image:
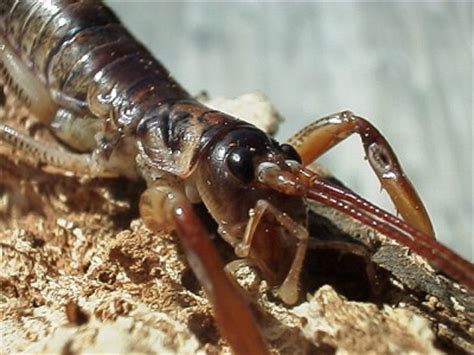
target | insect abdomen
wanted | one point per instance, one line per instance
(88, 61)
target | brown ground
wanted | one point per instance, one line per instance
(79, 272)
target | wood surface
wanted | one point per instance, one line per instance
(80, 272)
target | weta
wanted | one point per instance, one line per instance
(118, 112)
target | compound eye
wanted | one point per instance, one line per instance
(290, 152)
(240, 164)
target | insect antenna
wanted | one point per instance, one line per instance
(303, 182)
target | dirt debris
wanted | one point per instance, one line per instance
(79, 272)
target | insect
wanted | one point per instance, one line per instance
(120, 113)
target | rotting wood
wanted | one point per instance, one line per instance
(75, 241)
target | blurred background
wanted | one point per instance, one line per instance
(406, 66)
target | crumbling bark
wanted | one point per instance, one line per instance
(79, 272)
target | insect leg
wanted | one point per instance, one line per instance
(289, 289)
(84, 164)
(311, 186)
(160, 205)
(77, 132)
(320, 136)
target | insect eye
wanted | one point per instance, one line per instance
(240, 164)
(290, 152)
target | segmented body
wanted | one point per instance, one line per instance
(83, 63)
(102, 92)
(77, 69)
(80, 72)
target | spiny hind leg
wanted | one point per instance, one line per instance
(319, 137)
(164, 207)
(24, 87)
(83, 164)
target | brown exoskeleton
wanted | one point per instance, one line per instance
(116, 108)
